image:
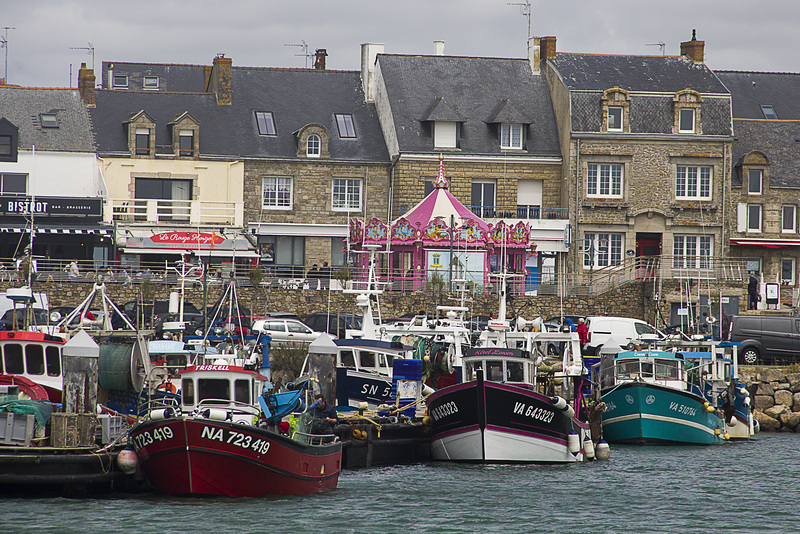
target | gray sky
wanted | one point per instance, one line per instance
(256, 32)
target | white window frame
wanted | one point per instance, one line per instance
(751, 174)
(121, 77)
(789, 219)
(681, 112)
(445, 134)
(617, 111)
(346, 194)
(150, 82)
(693, 182)
(605, 180)
(277, 192)
(604, 248)
(751, 212)
(793, 268)
(313, 146)
(692, 251)
(511, 136)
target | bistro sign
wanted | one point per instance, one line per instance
(50, 206)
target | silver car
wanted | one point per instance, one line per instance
(283, 330)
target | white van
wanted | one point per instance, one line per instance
(624, 331)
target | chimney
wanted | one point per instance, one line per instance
(548, 48)
(222, 79)
(694, 49)
(319, 62)
(86, 83)
(369, 52)
(534, 55)
(438, 48)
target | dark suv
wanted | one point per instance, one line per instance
(766, 339)
(328, 322)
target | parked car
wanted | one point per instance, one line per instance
(142, 314)
(194, 321)
(283, 330)
(39, 317)
(333, 324)
(623, 331)
(766, 339)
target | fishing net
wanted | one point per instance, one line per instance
(40, 410)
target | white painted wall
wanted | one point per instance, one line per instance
(59, 174)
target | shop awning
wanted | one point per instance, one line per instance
(769, 243)
(67, 229)
(216, 253)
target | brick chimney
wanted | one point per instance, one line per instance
(694, 49)
(86, 85)
(548, 48)
(222, 79)
(534, 55)
(319, 58)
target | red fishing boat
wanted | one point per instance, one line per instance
(224, 438)
(32, 361)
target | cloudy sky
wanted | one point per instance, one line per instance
(50, 37)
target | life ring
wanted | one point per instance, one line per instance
(168, 387)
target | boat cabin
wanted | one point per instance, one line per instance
(221, 387)
(500, 365)
(35, 356)
(651, 366)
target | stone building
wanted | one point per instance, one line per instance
(492, 121)
(765, 185)
(646, 144)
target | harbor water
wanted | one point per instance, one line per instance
(735, 487)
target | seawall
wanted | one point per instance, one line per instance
(776, 399)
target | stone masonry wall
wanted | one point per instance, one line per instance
(776, 399)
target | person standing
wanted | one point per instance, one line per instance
(583, 332)
(752, 292)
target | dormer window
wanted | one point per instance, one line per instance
(347, 128)
(5, 146)
(142, 141)
(8, 140)
(614, 123)
(445, 134)
(150, 82)
(121, 81)
(511, 136)
(186, 143)
(769, 112)
(686, 120)
(48, 120)
(313, 146)
(754, 182)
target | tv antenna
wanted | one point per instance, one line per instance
(526, 11)
(659, 44)
(4, 44)
(304, 46)
(90, 49)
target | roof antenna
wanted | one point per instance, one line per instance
(659, 44)
(90, 49)
(304, 46)
(526, 11)
(4, 44)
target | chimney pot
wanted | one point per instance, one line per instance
(319, 62)
(438, 48)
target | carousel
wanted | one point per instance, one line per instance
(441, 238)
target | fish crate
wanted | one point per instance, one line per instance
(73, 429)
(109, 427)
(16, 429)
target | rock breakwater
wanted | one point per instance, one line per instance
(775, 395)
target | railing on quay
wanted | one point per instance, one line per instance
(589, 282)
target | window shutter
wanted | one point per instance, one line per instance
(741, 217)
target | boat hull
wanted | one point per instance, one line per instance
(196, 456)
(483, 421)
(640, 412)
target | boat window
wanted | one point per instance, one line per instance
(13, 359)
(1, 360)
(382, 360)
(647, 369)
(626, 369)
(367, 359)
(389, 360)
(346, 358)
(667, 369)
(53, 357)
(241, 389)
(177, 360)
(515, 372)
(494, 370)
(187, 391)
(34, 359)
(214, 388)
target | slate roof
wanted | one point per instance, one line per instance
(22, 106)
(661, 74)
(472, 88)
(778, 140)
(751, 90)
(296, 97)
(172, 78)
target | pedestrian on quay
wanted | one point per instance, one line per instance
(752, 292)
(583, 332)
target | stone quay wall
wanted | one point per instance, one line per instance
(776, 399)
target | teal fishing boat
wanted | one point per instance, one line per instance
(656, 396)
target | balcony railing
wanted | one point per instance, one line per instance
(519, 212)
(188, 212)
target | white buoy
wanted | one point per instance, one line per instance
(588, 448)
(128, 461)
(602, 451)
(162, 413)
(569, 412)
(215, 414)
(559, 402)
(573, 443)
